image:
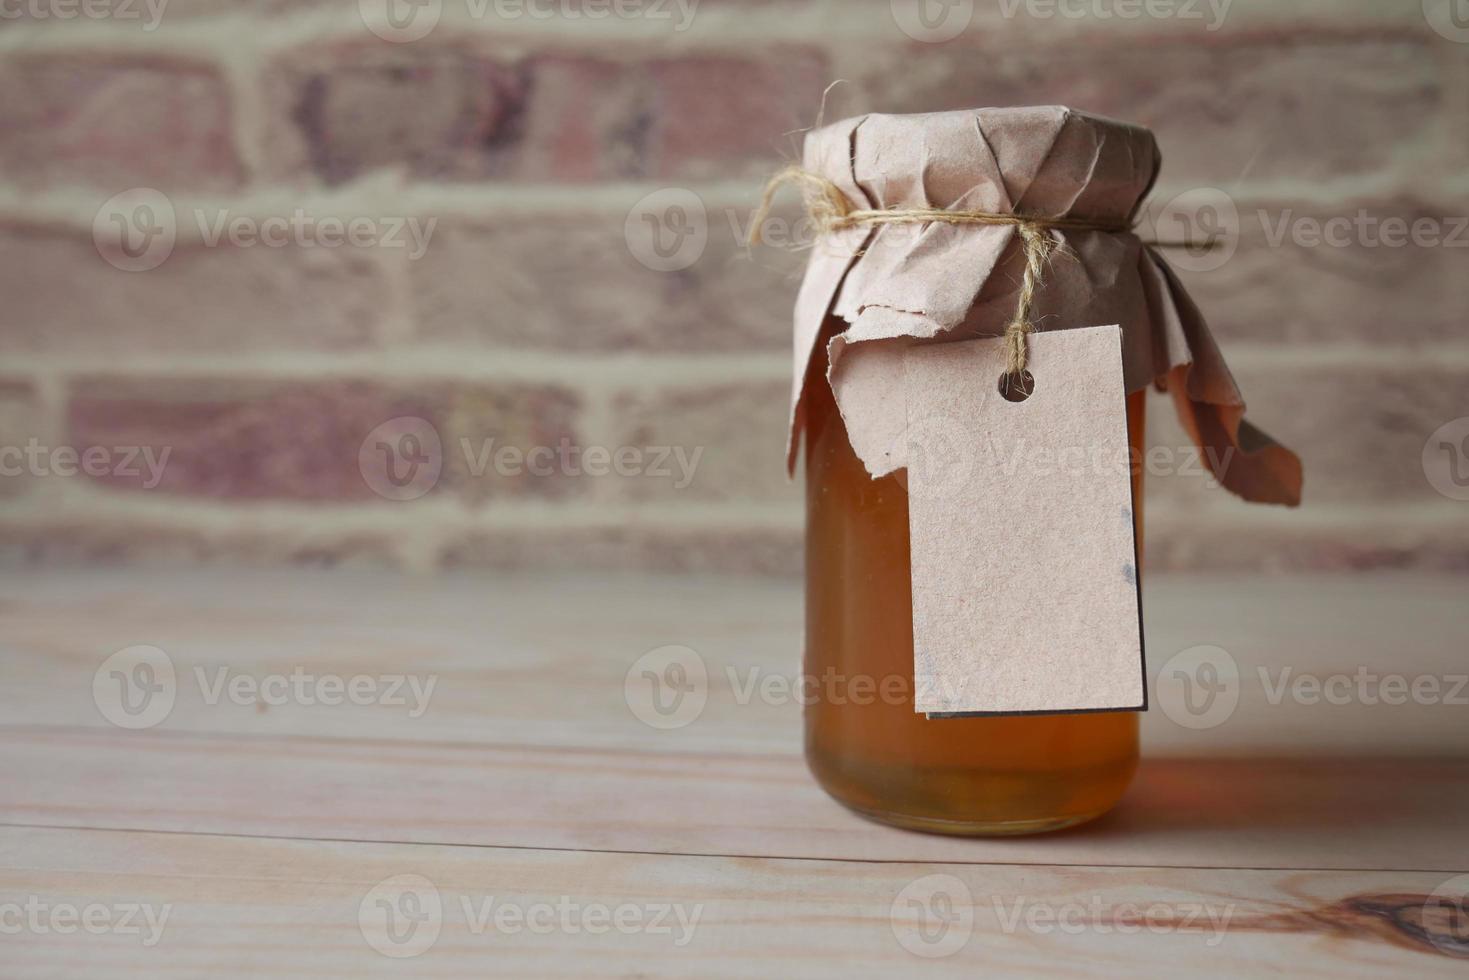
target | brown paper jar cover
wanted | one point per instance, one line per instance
(890, 286)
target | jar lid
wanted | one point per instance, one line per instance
(1045, 161)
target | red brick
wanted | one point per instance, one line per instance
(20, 421)
(62, 296)
(1197, 546)
(1303, 292)
(256, 440)
(454, 112)
(572, 283)
(589, 120)
(115, 122)
(108, 540)
(702, 115)
(135, 14)
(1348, 546)
(477, 423)
(755, 550)
(440, 113)
(1223, 109)
(732, 437)
(716, 115)
(1360, 432)
(95, 539)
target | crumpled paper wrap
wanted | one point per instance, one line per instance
(872, 291)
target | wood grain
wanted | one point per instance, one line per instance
(1383, 814)
(528, 777)
(240, 907)
(542, 661)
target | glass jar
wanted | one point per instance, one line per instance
(865, 744)
(910, 214)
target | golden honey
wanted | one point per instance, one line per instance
(864, 742)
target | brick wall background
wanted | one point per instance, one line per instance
(540, 137)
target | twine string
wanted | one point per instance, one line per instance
(831, 211)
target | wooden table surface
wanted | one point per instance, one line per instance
(520, 818)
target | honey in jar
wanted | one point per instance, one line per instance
(865, 743)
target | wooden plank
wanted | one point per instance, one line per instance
(543, 661)
(530, 661)
(1383, 814)
(239, 907)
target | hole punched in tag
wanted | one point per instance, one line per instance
(1016, 387)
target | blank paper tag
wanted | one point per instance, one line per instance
(1025, 594)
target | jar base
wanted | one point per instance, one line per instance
(972, 828)
(972, 803)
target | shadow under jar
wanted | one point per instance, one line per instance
(865, 744)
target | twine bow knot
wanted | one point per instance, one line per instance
(831, 211)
